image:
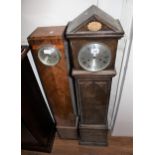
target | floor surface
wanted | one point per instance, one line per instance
(117, 146)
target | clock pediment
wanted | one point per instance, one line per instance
(94, 21)
(93, 24)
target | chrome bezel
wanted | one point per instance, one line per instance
(49, 47)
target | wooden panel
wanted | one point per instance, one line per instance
(68, 132)
(54, 79)
(94, 19)
(93, 100)
(94, 12)
(78, 73)
(38, 129)
(26, 137)
(47, 32)
(93, 135)
(93, 91)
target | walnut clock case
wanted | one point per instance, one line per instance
(93, 38)
(48, 49)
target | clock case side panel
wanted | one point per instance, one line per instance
(63, 111)
(77, 43)
(37, 127)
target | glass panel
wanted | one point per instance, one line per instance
(49, 55)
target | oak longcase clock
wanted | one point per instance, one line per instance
(93, 38)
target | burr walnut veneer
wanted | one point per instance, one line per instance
(55, 79)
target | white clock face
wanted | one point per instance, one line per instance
(94, 57)
(49, 55)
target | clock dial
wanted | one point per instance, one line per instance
(94, 57)
(49, 55)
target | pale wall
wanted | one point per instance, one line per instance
(124, 120)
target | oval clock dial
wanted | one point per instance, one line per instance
(49, 55)
(94, 57)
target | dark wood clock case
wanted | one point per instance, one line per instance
(55, 79)
(93, 88)
(37, 126)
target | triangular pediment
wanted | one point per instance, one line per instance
(94, 20)
(94, 23)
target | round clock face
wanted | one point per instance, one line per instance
(94, 57)
(49, 55)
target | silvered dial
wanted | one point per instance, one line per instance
(49, 55)
(94, 57)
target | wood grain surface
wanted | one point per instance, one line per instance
(110, 26)
(37, 126)
(117, 146)
(78, 43)
(55, 79)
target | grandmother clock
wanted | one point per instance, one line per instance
(48, 48)
(93, 38)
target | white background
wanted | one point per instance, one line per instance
(143, 71)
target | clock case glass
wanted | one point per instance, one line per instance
(94, 57)
(49, 55)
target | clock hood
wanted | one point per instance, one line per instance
(94, 22)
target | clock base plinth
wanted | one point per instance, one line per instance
(93, 135)
(93, 143)
(68, 132)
